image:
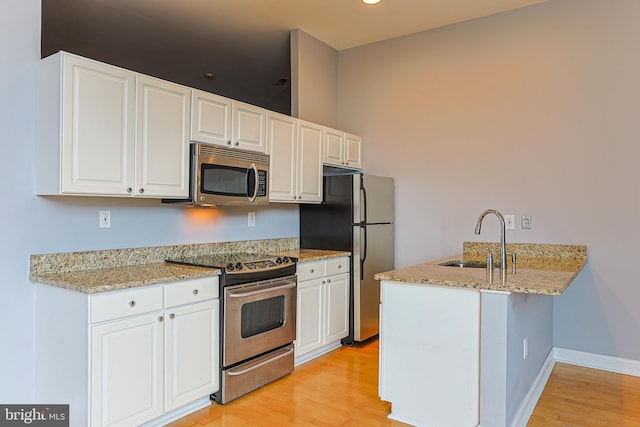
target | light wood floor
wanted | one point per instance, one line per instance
(576, 396)
(341, 389)
(338, 389)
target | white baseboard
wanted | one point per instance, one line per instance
(597, 361)
(571, 357)
(530, 400)
(317, 352)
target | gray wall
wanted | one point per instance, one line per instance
(314, 80)
(30, 224)
(532, 112)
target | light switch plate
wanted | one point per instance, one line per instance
(510, 222)
(525, 222)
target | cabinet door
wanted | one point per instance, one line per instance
(310, 316)
(309, 167)
(333, 147)
(337, 307)
(191, 353)
(126, 371)
(282, 137)
(211, 118)
(249, 127)
(353, 151)
(97, 128)
(162, 138)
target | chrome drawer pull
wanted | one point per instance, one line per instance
(195, 292)
(132, 303)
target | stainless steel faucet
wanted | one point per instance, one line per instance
(503, 245)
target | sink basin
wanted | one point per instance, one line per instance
(461, 264)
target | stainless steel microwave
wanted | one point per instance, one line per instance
(221, 176)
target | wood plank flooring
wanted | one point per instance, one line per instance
(577, 397)
(338, 389)
(341, 389)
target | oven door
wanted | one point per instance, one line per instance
(259, 317)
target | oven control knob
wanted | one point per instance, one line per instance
(230, 266)
(279, 260)
(238, 266)
(286, 260)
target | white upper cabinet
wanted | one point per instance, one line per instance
(309, 163)
(162, 138)
(283, 148)
(103, 130)
(222, 121)
(342, 149)
(295, 149)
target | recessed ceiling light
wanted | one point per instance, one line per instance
(209, 75)
(371, 1)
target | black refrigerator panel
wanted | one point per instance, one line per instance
(328, 225)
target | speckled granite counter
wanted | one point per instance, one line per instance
(108, 270)
(307, 255)
(540, 269)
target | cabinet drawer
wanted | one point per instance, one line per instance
(337, 266)
(129, 302)
(310, 270)
(190, 291)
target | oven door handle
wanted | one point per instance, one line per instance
(241, 294)
(256, 366)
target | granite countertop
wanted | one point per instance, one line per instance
(540, 269)
(308, 255)
(108, 270)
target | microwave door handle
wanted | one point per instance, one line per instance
(253, 169)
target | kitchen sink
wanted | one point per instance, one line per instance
(461, 264)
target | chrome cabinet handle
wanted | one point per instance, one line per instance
(132, 303)
(311, 270)
(237, 143)
(129, 190)
(328, 280)
(323, 282)
(160, 319)
(172, 316)
(195, 292)
(141, 190)
(228, 142)
(339, 266)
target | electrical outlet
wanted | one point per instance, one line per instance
(525, 222)
(105, 219)
(525, 348)
(510, 222)
(251, 219)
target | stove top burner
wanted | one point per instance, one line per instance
(236, 262)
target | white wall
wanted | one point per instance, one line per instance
(30, 224)
(314, 80)
(532, 112)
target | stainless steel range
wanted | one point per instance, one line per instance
(258, 319)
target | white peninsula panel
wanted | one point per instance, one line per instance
(429, 354)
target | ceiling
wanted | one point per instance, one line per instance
(244, 42)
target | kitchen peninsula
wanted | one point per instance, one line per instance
(459, 350)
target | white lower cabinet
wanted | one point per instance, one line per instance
(128, 357)
(191, 353)
(126, 371)
(323, 307)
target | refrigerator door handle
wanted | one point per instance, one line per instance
(363, 225)
(364, 251)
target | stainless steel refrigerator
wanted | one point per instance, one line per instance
(356, 215)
